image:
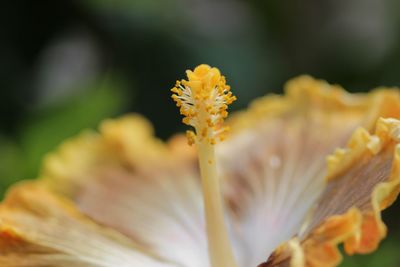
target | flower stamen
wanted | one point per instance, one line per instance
(203, 100)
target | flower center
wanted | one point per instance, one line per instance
(203, 100)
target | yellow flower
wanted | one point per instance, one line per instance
(300, 174)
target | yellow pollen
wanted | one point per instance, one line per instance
(203, 100)
(191, 137)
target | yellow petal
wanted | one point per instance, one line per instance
(38, 228)
(275, 159)
(349, 210)
(136, 184)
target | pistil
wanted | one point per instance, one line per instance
(203, 100)
(220, 251)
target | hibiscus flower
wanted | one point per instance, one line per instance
(294, 177)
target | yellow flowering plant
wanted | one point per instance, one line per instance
(283, 183)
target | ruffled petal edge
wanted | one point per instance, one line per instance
(359, 231)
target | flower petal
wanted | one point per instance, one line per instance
(364, 180)
(38, 228)
(275, 159)
(136, 184)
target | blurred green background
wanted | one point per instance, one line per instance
(66, 65)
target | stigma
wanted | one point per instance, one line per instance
(203, 100)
